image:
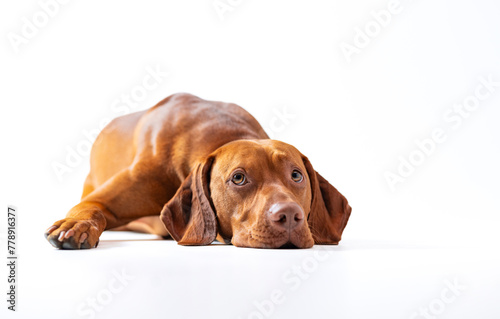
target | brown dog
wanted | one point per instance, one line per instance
(211, 172)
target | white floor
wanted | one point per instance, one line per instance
(138, 276)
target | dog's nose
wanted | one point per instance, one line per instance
(287, 215)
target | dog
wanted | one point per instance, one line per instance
(210, 172)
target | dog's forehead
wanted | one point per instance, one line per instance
(256, 152)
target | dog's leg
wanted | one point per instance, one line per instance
(127, 196)
(149, 225)
(88, 187)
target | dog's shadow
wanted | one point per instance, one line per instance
(125, 238)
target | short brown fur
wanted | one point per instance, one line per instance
(175, 161)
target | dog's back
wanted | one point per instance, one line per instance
(175, 133)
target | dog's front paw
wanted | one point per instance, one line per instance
(71, 233)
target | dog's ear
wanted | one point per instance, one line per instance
(189, 216)
(329, 209)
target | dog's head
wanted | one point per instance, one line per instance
(256, 193)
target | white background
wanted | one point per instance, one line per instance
(356, 120)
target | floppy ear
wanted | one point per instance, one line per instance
(189, 216)
(329, 209)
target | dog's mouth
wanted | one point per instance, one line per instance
(288, 245)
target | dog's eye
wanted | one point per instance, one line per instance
(297, 176)
(238, 179)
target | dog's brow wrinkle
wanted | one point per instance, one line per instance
(278, 156)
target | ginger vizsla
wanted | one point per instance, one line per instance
(209, 171)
